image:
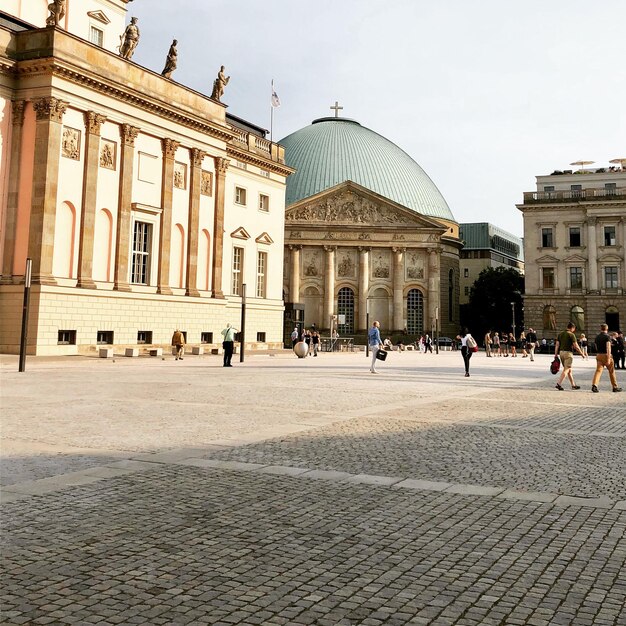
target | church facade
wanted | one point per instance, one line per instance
(386, 245)
(143, 205)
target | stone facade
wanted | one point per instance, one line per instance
(126, 191)
(350, 251)
(575, 251)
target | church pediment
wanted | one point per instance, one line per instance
(610, 258)
(575, 258)
(547, 258)
(264, 238)
(240, 233)
(352, 205)
(100, 16)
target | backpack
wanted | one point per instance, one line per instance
(470, 342)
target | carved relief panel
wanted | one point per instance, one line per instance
(70, 145)
(346, 263)
(206, 183)
(312, 263)
(180, 175)
(414, 266)
(380, 264)
(108, 154)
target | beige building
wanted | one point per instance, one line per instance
(143, 205)
(367, 231)
(575, 251)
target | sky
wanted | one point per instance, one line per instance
(483, 94)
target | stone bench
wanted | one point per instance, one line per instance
(156, 351)
(131, 352)
(105, 353)
(197, 350)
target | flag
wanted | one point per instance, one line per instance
(275, 98)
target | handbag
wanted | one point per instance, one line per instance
(381, 355)
(555, 366)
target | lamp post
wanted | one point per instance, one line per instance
(367, 327)
(513, 312)
(242, 336)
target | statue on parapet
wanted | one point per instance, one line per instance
(129, 40)
(171, 61)
(57, 12)
(218, 84)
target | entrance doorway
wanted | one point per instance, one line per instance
(611, 317)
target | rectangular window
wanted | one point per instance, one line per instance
(547, 278)
(465, 272)
(240, 196)
(237, 267)
(264, 173)
(264, 202)
(144, 336)
(261, 269)
(610, 277)
(609, 235)
(466, 290)
(577, 191)
(104, 337)
(548, 188)
(96, 35)
(140, 268)
(206, 337)
(260, 337)
(574, 237)
(611, 188)
(66, 338)
(547, 239)
(576, 277)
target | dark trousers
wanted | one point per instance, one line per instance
(228, 352)
(466, 353)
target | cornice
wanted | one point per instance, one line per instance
(258, 161)
(55, 68)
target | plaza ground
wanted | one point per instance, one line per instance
(286, 491)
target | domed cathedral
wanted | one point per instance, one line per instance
(366, 231)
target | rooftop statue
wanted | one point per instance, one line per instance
(171, 61)
(130, 39)
(218, 85)
(57, 12)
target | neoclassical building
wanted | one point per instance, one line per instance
(366, 230)
(143, 205)
(575, 251)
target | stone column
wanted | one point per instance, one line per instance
(622, 283)
(17, 119)
(364, 282)
(398, 286)
(93, 122)
(221, 167)
(195, 179)
(128, 134)
(329, 283)
(165, 236)
(592, 256)
(49, 115)
(433, 284)
(294, 282)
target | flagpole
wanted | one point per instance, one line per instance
(272, 113)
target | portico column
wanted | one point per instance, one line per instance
(294, 283)
(128, 134)
(364, 281)
(49, 115)
(93, 122)
(329, 281)
(398, 284)
(221, 167)
(195, 178)
(17, 119)
(622, 285)
(169, 147)
(433, 284)
(592, 247)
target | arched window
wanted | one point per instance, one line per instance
(451, 296)
(345, 306)
(549, 317)
(415, 312)
(577, 315)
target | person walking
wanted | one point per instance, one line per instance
(620, 351)
(522, 344)
(564, 348)
(531, 340)
(295, 335)
(315, 340)
(228, 344)
(375, 344)
(583, 343)
(604, 358)
(466, 349)
(178, 341)
(488, 343)
(428, 344)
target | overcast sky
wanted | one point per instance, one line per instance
(483, 94)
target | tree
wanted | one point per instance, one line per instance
(490, 307)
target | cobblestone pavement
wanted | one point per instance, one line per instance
(309, 492)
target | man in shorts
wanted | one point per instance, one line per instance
(564, 348)
(604, 358)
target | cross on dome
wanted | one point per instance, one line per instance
(336, 108)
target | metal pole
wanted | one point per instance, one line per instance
(367, 340)
(436, 333)
(24, 337)
(242, 332)
(513, 307)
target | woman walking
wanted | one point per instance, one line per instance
(375, 344)
(468, 343)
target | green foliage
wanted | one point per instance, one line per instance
(491, 296)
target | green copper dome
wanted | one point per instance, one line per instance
(333, 150)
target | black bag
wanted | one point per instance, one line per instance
(381, 355)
